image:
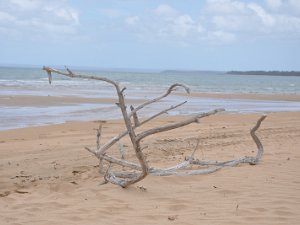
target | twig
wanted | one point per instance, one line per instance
(195, 149)
(121, 150)
(99, 131)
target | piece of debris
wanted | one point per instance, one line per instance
(76, 172)
(137, 172)
(6, 193)
(172, 218)
(21, 191)
(142, 188)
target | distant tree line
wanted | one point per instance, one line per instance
(268, 73)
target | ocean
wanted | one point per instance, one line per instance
(140, 85)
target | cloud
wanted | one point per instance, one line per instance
(6, 17)
(37, 18)
(167, 25)
(224, 36)
(166, 11)
(132, 20)
(25, 4)
(214, 21)
(231, 23)
(266, 19)
(295, 5)
(183, 25)
(112, 13)
(219, 21)
(67, 14)
(225, 6)
(274, 4)
(249, 18)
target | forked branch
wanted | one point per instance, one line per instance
(136, 172)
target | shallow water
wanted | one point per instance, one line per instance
(18, 81)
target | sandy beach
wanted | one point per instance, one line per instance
(46, 176)
(217, 69)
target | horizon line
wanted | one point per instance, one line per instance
(129, 69)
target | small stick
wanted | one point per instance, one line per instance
(135, 117)
(121, 150)
(99, 131)
(196, 147)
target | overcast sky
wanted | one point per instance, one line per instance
(152, 34)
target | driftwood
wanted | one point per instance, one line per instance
(137, 172)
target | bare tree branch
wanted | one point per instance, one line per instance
(169, 91)
(72, 75)
(99, 131)
(256, 139)
(140, 171)
(162, 112)
(124, 133)
(135, 117)
(121, 150)
(194, 119)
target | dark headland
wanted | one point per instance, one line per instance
(233, 72)
(265, 73)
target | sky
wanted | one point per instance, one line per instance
(152, 34)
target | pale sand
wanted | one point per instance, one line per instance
(46, 177)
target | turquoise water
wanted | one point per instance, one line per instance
(34, 81)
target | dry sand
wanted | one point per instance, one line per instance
(46, 177)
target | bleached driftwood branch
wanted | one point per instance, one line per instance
(139, 171)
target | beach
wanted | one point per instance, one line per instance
(47, 177)
(199, 102)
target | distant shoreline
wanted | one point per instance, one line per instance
(265, 73)
(157, 71)
(234, 72)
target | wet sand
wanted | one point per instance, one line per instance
(271, 97)
(28, 100)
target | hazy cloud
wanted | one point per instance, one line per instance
(272, 19)
(274, 4)
(168, 25)
(112, 13)
(222, 21)
(214, 21)
(132, 20)
(36, 18)
(166, 11)
(215, 34)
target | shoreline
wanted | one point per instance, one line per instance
(25, 110)
(33, 100)
(25, 100)
(254, 96)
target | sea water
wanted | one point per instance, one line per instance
(140, 85)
